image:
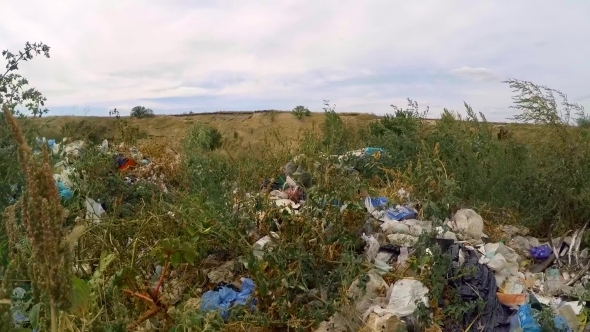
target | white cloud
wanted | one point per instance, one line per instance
(359, 54)
(477, 74)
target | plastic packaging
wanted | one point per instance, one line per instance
(526, 321)
(541, 252)
(380, 209)
(552, 281)
(568, 313)
(261, 244)
(93, 210)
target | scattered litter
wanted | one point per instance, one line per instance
(94, 210)
(124, 163)
(405, 293)
(469, 224)
(512, 300)
(567, 312)
(224, 296)
(260, 245)
(403, 240)
(379, 208)
(524, 320)
(504, 279)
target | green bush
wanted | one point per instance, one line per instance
(84, 130)
(300, 111)
(336, 138)
(399, 134)
(583, 121)
(402, 122)
(141, 112)
(202, 137)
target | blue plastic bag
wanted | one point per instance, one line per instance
(561, 324)
(541, 252)
(64, 191)
(226, 297)
(378, 201)
(389, 213)
(371, 151)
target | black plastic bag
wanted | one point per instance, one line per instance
(472, 286)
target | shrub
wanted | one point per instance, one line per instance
(402, 122)
(50, 270)
(202, 137)
(300, 111)
(141, 112)
(335, 132)
(125, 131)
(47, 257)
(88, 131)
(583, 121)
(400, 134)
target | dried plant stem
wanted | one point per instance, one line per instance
(161, 281)
(53, 313)
(141, 296)
(149, 314)
(151, 298)
(41, 216)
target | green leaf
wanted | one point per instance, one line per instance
(97, 277)
(20, 330)
(176, 258)
(189, 257)
(105, 261)
(189, 253)
(154, 251)
(80, 296)
(424, 260)
(123, 277)
(34, 315)
(166, 245)
(262, 288)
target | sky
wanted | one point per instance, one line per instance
(179, 56)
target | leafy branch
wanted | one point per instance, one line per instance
(12, 85)
(537, 104)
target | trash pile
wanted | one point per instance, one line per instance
(131, 162)
(507, 288)
(514, 294)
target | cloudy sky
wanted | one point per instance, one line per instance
(177, 56)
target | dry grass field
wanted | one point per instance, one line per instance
(252, 130)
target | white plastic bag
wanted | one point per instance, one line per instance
(394, 227)
(404, 294)
(469, 224)
(93, 210)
